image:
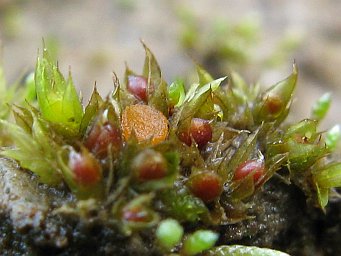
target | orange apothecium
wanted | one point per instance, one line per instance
(146, 122)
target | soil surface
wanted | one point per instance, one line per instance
(32, 222)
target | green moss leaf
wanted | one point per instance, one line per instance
(243, 92)
(228, 166)
(305, 130)
(91, 110)
(34, 150)
(274, 103)
(196, 98)
(157, 87)
(176, 93)
(204, 76)
(57, 98)
(181, 205)
(302, 156)
(328, 176)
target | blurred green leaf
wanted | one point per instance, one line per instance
(328, 176)
(204, 76)
(30, 94)
(169, 233)
(6, 95)
(325, 178)
(140, 204)
(34, 150)
(199, 241)
(333, 137)
(242, 250)
(321, 107)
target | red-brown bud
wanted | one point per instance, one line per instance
(136, 214)
(149, 165)
(85, 168)
(101, 136)
(257, 167)
(137, 85)
(207, 185)
(200, 130)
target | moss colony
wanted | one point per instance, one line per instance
(158, 169)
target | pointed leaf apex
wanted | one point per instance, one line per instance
(294, 68)
(204, 76)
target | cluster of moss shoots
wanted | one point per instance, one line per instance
(159, 157)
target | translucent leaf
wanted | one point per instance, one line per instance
(243, 189)
(34, 155)
(273, 164)
(207, 110)
(227, 104)
(228, 166)
(275, 102)
(159, 98)
(240, 87)
(322, 196)
(151, 68)
(242, 250)
(121, 93)
(176, 93)
(23, 118)
(30, 94)
(91, 110)
(321, 107)
(157, 87)
(302, 156)
(304, 130)
(333, 137)
(329, 176)
(204, 76)
(196, 97)
(58, 100)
